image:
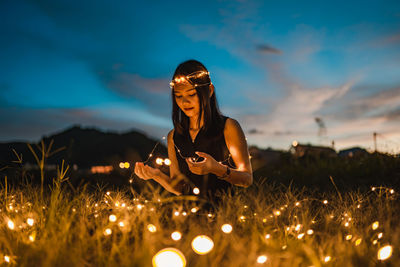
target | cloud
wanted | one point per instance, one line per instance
(154, 93)
(28, 124)
(265, 48)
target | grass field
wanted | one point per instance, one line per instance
(271, 226)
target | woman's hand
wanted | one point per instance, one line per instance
(203, 167)
(146, 172)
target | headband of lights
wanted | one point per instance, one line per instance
(193, 75)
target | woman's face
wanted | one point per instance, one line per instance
(187, 99)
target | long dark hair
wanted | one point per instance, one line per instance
(213, 119)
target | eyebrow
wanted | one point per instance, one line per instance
(175, 92)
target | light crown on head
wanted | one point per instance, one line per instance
(190, 77)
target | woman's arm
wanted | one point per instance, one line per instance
(237, 145)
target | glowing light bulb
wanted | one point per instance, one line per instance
(127, 165)
(167, 162)
(295, 143)
(298, 227)
(380, 235)
(385, 253)
(32, 238)
(168, 257)
(358, 242)
(122, 165)
(176, 235)
(267, 236)
(196, 191)
(10, 224)
(297, 204)
(30, 221)
(121, 224)
(159, 161)
(152, 228)
(310, 231)
(348, 237)
(107, 231)
(325, 201)
(375, 225)
(176, 213)
(194, 210)
(108, 193)
(7, 258)
(300, 236)
(202, 244)
(391, 191)
(139, 206)
(346, 224)
(112, 218)
(277, 213)
(226, 228)
(262, 259)
(327, 258)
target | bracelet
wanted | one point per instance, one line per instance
(226, 174)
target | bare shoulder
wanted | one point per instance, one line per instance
(232, 127)
(171, 134)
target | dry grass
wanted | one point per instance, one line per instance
(70, 228)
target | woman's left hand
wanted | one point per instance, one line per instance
(202, 167)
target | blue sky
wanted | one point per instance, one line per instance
(276, 66)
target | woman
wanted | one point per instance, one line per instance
(208, 151)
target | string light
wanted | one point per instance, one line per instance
(112, 218)
(176, 235)
(327, 258)
(193, 75)
(375, 225)
(262, 259)
(30, 221)
(152, 228)
(226, 228)
(168, 257)
(10, 224)
(385, 253)
(202, 244)
(107, 231)
(196, 191)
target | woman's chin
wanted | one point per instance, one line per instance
(190, 113)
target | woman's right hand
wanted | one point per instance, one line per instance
(146, 172)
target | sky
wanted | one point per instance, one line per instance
(277, 66)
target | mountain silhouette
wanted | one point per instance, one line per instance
(86, 147)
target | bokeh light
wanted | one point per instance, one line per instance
(169, 257)
(202, 244)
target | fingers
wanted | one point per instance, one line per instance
(141, 171)
(202, 154)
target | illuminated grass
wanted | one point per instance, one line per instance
(271, 226)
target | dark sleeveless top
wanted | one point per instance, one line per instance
(213, 143)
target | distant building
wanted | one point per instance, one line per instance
(262, 157)
(299, 150)
(353, 152)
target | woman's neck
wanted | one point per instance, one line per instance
(193, 123)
